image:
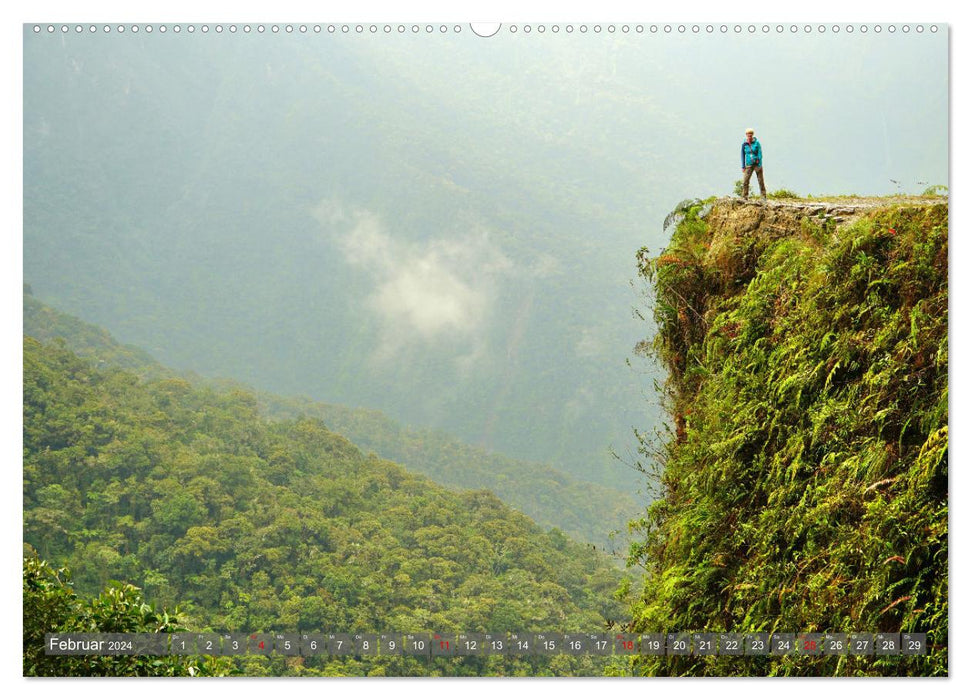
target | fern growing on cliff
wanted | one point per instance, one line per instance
(805, 488)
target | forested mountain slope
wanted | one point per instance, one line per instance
(254, 525)
(583, 510)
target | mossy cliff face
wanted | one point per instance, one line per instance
(804, 487)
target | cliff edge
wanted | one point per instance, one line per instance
(804, 481)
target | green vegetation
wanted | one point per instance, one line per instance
(777, 194)
(582, 510)
(89, 341)
(50, 606)
(251, 525)
(805, 482)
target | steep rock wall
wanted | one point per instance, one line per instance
(804, 487)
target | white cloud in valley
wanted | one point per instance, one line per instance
(441, 289)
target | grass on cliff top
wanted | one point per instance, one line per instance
(876, 199)
(805, 479)
(934, 193)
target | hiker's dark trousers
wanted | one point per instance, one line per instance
(748, 176)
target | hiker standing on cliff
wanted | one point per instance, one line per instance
(751, 160)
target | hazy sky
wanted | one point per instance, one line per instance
(837, 112)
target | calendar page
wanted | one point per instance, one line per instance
(609, 348)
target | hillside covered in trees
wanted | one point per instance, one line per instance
(805, 482)
(583, 510)
(249, 525)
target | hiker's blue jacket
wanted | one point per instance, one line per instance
(751, 153)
